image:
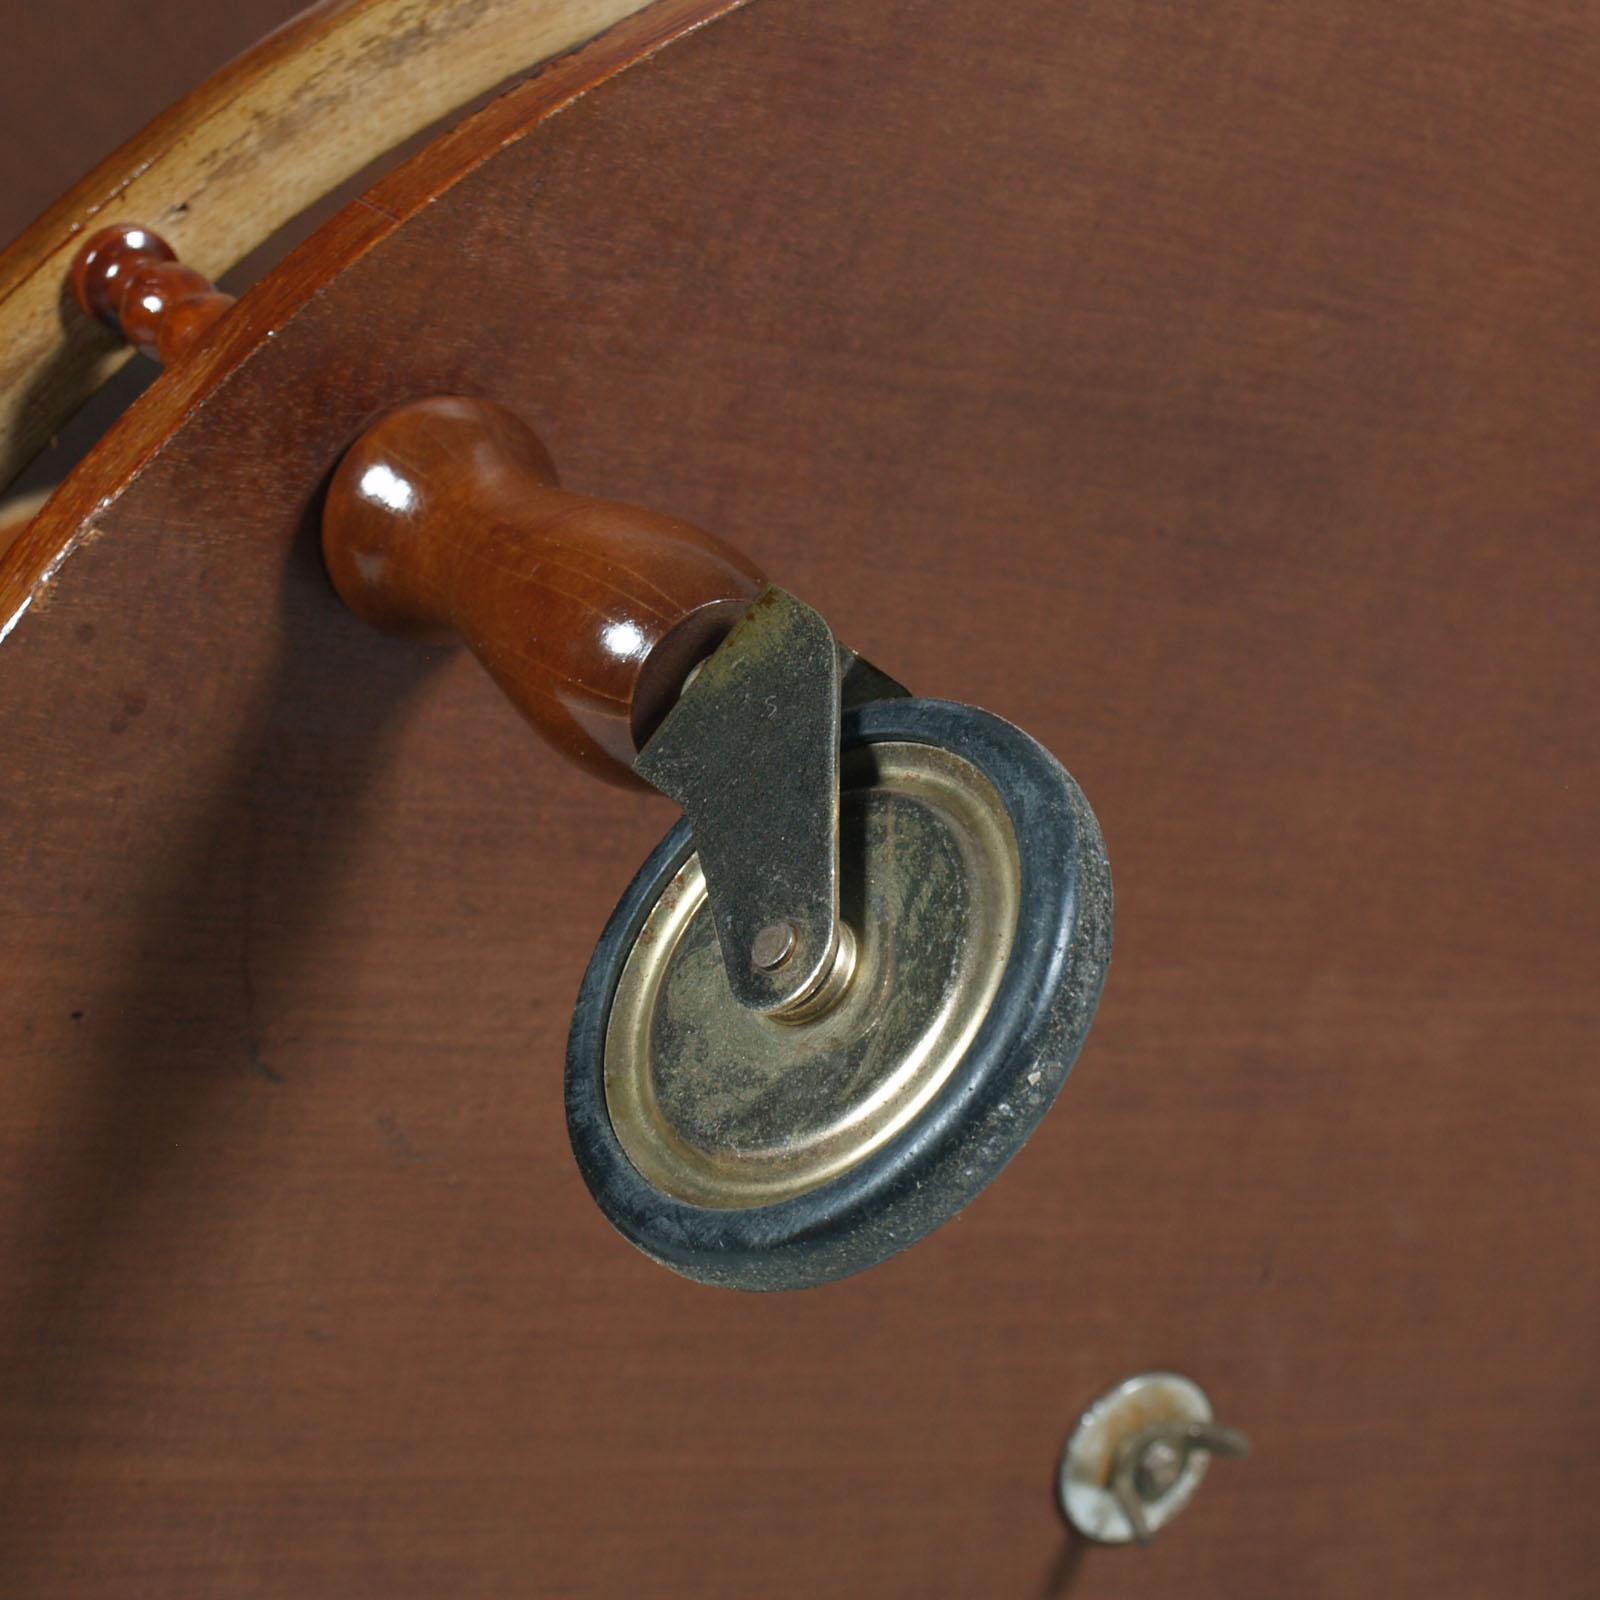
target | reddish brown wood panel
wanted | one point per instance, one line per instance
(1214, 392)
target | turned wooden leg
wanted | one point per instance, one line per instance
(445, 519)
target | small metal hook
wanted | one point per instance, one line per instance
(1149, 1464)
(1137, 1456)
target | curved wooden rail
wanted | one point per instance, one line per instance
(70, 515)
(251, 148)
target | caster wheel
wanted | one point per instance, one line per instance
(843, 991)
(778, 1153)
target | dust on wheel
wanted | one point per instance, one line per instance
(764, 1154)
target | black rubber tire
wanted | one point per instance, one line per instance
(984, 1112)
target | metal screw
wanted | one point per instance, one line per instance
(1151, 1464)
(1159, 1468)
(772, 946)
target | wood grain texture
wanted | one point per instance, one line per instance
(247, 151)
(1211, 391)
(445, 520)
(70, 517)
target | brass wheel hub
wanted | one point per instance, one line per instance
(722, 1107)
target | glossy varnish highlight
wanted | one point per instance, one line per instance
(131, 280)
(1212, 391)
(445, 518)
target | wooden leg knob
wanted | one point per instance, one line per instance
(130, 279)
(445, 519)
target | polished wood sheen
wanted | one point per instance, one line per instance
(445, 518)
(269, 135)
(1213, 391)
(36, 555)
(100, 271)
(131, 280)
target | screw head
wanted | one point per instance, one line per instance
(772, 946)
(1160, 1466)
